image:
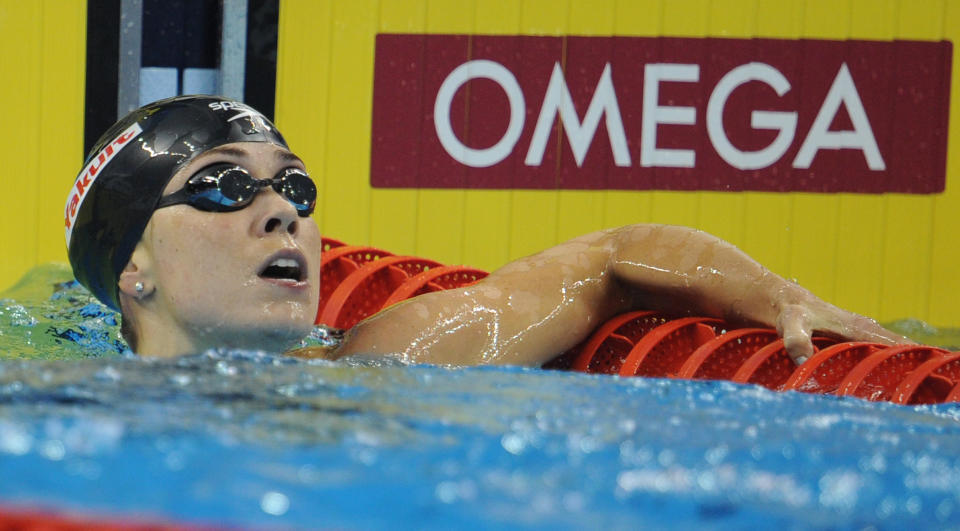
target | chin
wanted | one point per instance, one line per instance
(265, 325)
(285, 326)
(268, 338)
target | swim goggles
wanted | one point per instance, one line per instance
(227, 187)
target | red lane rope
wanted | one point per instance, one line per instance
(719, 358)
(663, 351)
(366, 290)
(28, 520)
(338, 263)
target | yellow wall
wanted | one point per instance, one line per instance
(888, 256)
(42, 58)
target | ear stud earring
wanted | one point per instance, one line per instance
(139, 288)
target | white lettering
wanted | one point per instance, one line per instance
(90, 172)
(843, 91)
(654, 114)
(604, 103)
(480, 68)
(784, 122)
(580, 135)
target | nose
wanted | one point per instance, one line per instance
(276, 215)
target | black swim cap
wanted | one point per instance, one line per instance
(125, 173)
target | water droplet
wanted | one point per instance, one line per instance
(14, 439)
(944, 510)
(53, 450)
(181, 379)
(447, 492)
(513, 443)
(226, 369)
(275, 503)
(108, 373)
(666, 457)
(914, 505)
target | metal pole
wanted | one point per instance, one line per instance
(233, 48)
(128, 72)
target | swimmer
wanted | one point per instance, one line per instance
(191, 217)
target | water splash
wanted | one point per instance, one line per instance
(48, 315)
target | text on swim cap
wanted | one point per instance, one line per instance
(226, 105)
(243, 109)
(90, 173)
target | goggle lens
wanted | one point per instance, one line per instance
(298, 188)
(226, 188)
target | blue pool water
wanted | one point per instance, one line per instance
(255, 440)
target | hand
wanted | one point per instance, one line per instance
(797, 322)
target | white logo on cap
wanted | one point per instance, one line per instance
(244, 111)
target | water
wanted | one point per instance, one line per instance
(251, 439)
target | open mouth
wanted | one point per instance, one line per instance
(283, 268)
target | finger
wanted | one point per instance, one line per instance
(853, 327)
(866, 329)
(793, 326)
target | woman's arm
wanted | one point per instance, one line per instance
(536, 307)
(681, 269)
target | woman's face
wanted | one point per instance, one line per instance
(248, 278)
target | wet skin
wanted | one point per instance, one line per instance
(204, 287)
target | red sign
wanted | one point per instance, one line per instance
(641, 113)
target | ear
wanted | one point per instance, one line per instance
(136, 279)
